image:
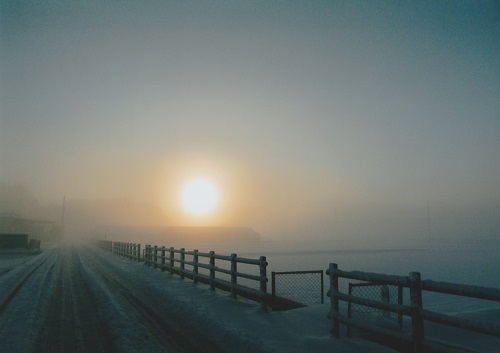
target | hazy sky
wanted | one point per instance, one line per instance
(298, 110)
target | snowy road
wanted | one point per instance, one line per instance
(65, 300)
(85, 299)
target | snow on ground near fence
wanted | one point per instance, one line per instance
(239, 324)
(301, 330)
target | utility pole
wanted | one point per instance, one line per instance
(62, 215)
(428, 223)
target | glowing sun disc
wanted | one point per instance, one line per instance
(199, 197)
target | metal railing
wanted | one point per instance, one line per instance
(374, 291)
(302, 287)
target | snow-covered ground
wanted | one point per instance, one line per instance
(84, 299)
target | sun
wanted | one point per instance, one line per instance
(199, 197)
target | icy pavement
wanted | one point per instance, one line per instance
(84, 299)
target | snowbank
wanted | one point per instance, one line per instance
(239, 324)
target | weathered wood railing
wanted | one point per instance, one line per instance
(165, 259)
(105, 244)
(415, 309)
(129, 250)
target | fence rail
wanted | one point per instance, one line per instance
(165, 259)
(105, 244)
(239, 276)
(383, 294)
(129, 250)
(415, 309)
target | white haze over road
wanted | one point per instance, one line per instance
(323, 120)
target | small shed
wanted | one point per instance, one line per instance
(13, 240)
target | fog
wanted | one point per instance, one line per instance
(351, 123)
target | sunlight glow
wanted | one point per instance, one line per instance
(199, 197)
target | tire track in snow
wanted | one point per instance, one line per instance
(21, 318)
(170, 331)
(71, 321)
(18, 286)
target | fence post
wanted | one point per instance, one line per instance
(273, 285)
(385, 296)
(400, 302)
(171, 260)
(146, 254)
(163, 259)
(233, 275)
(263, 282)
(183, 258)
(416, 307)
(195, 266)
(138, 252)
(334, 299)
(212, 270)
(349, 311)
(322, 289)
(155, 264)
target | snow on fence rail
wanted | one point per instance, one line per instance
(166, 260)
(105, 244)
(240, 276)
(129, 250)
(415, 309)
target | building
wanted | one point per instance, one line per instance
(45, 231)
(13, 241)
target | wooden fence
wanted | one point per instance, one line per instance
(384, 295)
(105, 244)
(165, 259)
(129, 250)
(235, 269)
(415, 309)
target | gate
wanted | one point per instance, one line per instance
(378, 292)
(304, 287)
